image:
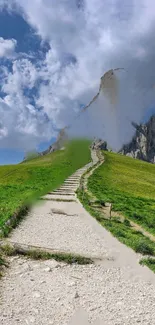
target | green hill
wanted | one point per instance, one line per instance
(129, 185)
(29, 180)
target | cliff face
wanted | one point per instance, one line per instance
(62, 137)
(57, 145)
(99, 144)
(142, 145)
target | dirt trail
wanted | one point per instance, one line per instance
(115, 289)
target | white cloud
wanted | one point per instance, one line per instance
(21, 125)
(23, 75)
(85, 42)
(7, 47)
(24, 125)
(3, 131)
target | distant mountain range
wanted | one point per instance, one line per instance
(57, 145)
(142, 145)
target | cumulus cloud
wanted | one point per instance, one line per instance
(22, 125)
(87, 38)
(7, 47)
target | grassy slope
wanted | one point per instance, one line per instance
(149, 262)
(130, 185)
(106, 184)
(23, 182)
(123, 231)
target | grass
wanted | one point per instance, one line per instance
(42, 255)
(35, 254)
(129, 185)
(23, 183)
(121, 230)
(150, 262)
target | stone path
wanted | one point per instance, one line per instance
(115, 289)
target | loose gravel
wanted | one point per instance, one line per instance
(50, 293)
(115, 290)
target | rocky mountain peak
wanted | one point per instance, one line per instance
(142, 145)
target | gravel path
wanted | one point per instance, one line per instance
(116, 290)
(70, 233)
(50, 293)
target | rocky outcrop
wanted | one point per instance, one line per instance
(142, 145)
(62, 137)
(57, 145)
(100, 144)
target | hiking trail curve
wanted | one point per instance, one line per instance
(115, 289)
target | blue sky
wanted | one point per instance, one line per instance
(13, 26)
(52, 55)
(10, 156)
(13, 156)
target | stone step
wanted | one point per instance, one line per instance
(74, 182)
(71, 183)
(75, 175)
(74, 179)
(61, 193)
(71, 186)
(68, 186)
(67, 189)
(64, 188)
(58, 197)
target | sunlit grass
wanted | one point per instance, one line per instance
(27, 181)
(121, 230)
(129, 185)
(150, 262)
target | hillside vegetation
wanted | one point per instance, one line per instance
(129, 185)
(29, 180)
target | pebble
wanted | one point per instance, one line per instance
(47, 269)
(76, 295)
(36, 294)
(42, 281)
(36, 311)
(58, 299)
(32, 319)
(72, 284)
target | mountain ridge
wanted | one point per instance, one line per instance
(142, 145)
